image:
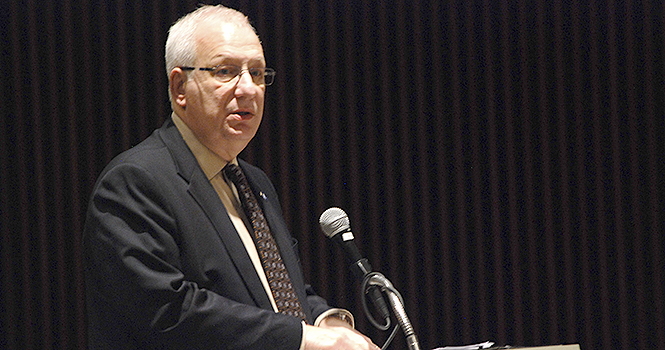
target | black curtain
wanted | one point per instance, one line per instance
(501, 161)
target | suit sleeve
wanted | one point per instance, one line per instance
(139, 297)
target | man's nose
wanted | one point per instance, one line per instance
(245, 83)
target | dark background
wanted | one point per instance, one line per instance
(501, 161)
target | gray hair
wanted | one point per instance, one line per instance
(180, 47)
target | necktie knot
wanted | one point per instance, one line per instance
(247, 198)
(234, 173)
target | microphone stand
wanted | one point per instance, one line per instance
(397, 304)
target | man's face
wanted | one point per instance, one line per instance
(225, 116)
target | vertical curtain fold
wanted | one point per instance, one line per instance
(500, 161)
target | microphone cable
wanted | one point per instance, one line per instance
(363, 297)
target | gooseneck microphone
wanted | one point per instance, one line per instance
(335, 225)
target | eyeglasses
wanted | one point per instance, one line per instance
(226, 73)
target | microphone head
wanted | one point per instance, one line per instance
(333, 221)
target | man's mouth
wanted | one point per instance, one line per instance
(243, 114)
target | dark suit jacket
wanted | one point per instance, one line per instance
(164, 265)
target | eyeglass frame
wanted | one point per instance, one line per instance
(266, 72)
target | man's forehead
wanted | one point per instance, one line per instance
(227, 39)
(226, 32)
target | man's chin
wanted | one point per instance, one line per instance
(240, 134)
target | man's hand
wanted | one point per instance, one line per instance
(331, 336)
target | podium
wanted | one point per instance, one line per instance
(508, 347)
(552, 347)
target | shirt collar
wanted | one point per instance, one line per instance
(210, 162)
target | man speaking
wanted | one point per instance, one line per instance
(185, 245)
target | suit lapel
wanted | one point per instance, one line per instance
(204, 194)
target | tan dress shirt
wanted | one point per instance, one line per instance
(212, 166)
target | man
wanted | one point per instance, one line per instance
(171, 239)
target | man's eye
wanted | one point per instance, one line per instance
(224, 71)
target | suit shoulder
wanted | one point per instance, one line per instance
(150, 150)
(150, 156)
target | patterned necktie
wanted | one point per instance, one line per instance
(276, 273)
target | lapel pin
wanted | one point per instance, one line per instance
(263, 195)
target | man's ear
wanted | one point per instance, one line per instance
(177, 83)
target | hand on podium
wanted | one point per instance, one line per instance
(336, 334)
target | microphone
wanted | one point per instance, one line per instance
(335, 225)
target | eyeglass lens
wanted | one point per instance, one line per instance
(259, 75)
